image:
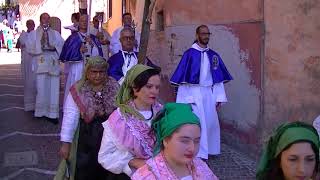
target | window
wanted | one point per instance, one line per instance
(160, 21)
(110, 9)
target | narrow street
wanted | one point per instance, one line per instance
(29, 146)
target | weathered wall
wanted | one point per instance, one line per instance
(292, 61)
(211, 11)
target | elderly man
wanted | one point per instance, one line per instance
(45, 46)
(28, 68)
(115, 44)
(77, 47)
(102, 35)
(201, 75)
(125, 59)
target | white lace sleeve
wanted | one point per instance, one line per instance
(71, 115)
(112, 157)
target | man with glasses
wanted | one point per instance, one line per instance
(115, 44)
(200, 77)
(126, 58)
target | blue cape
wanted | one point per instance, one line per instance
(116, 62)
(188, 70)
(71, 48)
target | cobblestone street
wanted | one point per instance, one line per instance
(29, 146)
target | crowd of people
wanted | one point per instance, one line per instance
(113, 124)
(10, 30)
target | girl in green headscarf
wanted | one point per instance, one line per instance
(127, 141)
(177, 131)
(291, 153)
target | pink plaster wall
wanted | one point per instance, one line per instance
(237, 36)
(211, 11)
(292, 61)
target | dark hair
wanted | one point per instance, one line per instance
(126, 14)
(199, 27)
(29, 21)
(41, 16)
(275, 172)
(76, 16)
(142, 79)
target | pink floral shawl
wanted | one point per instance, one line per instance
(156, 169)
(134, 134)
(90, 105)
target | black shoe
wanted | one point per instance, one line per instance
(53, 121)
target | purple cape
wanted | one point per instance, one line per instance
(188, 70)
(71, 48)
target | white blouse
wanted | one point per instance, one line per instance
(71, 115)
(113, 156)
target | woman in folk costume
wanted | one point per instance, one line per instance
(89, 103)
(291, 153)
(127, 138)
(177, 130)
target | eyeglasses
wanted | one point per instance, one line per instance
(205, 34)
(128, 38)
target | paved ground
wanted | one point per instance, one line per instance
(29, 146)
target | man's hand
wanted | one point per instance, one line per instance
(65, 150)
(100, 36)
(83, 48)
(88, 40)
(137, 163)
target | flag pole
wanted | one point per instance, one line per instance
(89, 17)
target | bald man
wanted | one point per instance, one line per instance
(45, 47)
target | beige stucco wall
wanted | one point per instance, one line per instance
(292, 61)
(116, 20)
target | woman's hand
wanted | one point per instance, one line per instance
(65, 150)
(137, 163)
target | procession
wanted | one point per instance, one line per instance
(130, 100)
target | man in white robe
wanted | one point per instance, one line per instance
(115, 44)
(46, 45)
(201, 75)
(28, 67)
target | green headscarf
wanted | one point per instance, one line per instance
(94, 61)
(170, 118)
(124, 95)
(284, 136)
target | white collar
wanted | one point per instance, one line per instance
(197, 47)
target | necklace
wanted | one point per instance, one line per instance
(151, 114)
(172, 172)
